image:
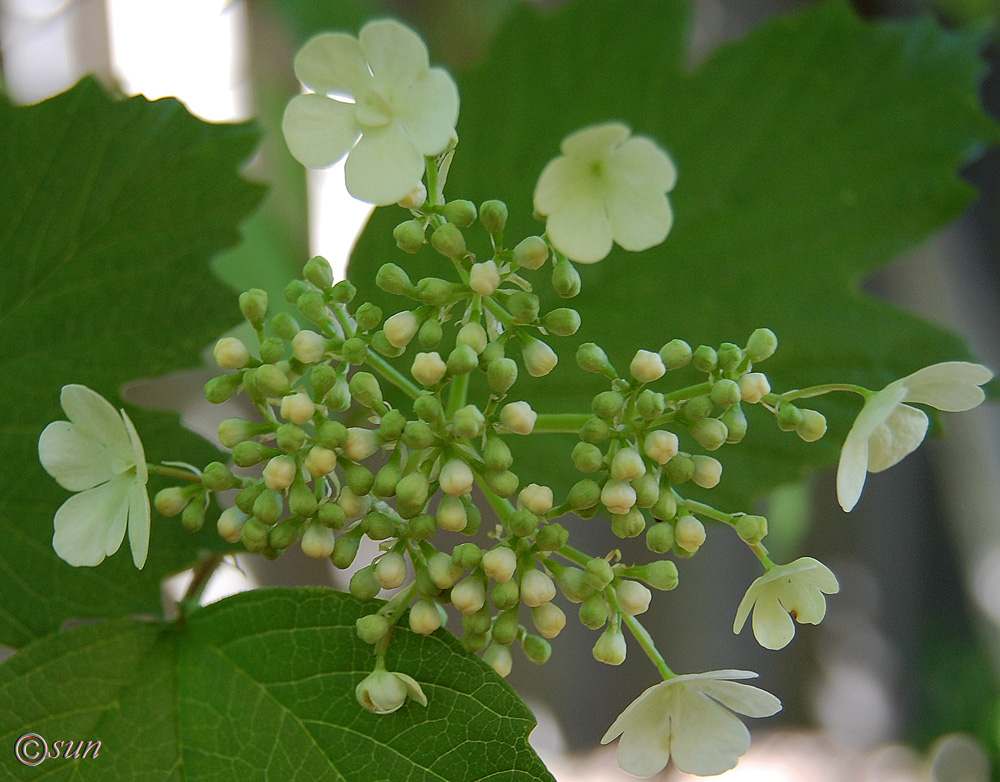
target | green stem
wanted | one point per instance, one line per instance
(432, 180)
(575, 555)
(173, 472)
(457, 394)
(811, 391)
(646, 642)
(393, 375)
(559, 423)
(499, 312)
(710, 512)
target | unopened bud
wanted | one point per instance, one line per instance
(753, 387)
(647, 366)
(500, 564)
(761, 345)
(230, 524)
(599, 573)
(566, 279)
(523, 306)
(710, 433)
(318, 541)
(676, 354)
(705, 358)
(610, 647)
(518, 417)
(618, 496)
(536, 649)
(468, 422)
(736, 423)
(461, 213)
(587, 457)
(539, 358)
(468, 595)
(424, 617)
(549, 619)
(363, 584)
(493, 216)
(361, 443)
(536, 588)
(371, 628)
(730, 356)
(594, 612)
(462, 360)
(537, 499)
(473, 335)
(428, 368)
(789, 417)
(689, 533)
(271, 380)
(751, 529)
(268, 506)
(707, 471)
(297, 408)
(592, 358)
(633, 597)
(627, 465)
(231, 353)
(393, 279)
(499, 659)
(280, 472)
(563, 322)
(607, 404)
(443, 572)
(501, 374)
(401, 328)
(660, 538)
(171, 501)
(628, 525)
(484, 278)
(317, 270)
(447, 239)
(253, 305)
(390, 570)
(584, 494)
(812, 427)
(430, 334)
(353, 505)
(531, 252)
(456, 478)
(415, 198)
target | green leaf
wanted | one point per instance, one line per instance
(109, 216)
(810, 154)
(261, 686)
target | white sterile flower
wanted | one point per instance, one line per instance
(375, 100)
(607, 187)
(785, 592)
(383, 692)
(97, 453)
(886, 430)
(692, 719)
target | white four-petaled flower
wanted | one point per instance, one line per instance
(606, 187)
(691, 718)
(97, 453)
(786, 591)
(376, 98)
(886, 430)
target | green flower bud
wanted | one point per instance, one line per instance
(409, 236)
(563, 322)
(696, 409)
(584, 494)
(451, 515)
(587, 457)
(536, 649)
(386, 480)
(679, 469)
(626, 465)
(343, 292)
(607, 404)
(364, 585)
(594, 612)
(378, 526)
(428, 408)
(220, 389)
(372, 628)
(660, 538)
(411, 494)
(531, 252)
(736, 424)
(443, 572)
(390, 570)
(565, 279)
(479, 622)
(359, 478)
(365, 388)
(171, 501)
(249, 453)
(730, 356)
(497, 455)
(650, 404)
(461, 213)
(501, 374)
(628, 525)
(751, 529)
(689, 533)
(447, 239)
(707, 471)
(338, 398)
(610, 647)
(312, 305)
(231, 353)
(761, 345)
(346, 547)
(246, 497)
(391, 426)
(428, 369)
(506, 596)
(599, 573)
(665, 507)
(468, 422)
(217, 477)
(647, 490)
(493, 352)
(355, 351)
(331, 515)
(474, 642)
(290, 437)
(283, 535)
(493, 216)
(594, 431)
(661, 575)
(592, 358)
(430, 333)
(676, 354)
(230, 524)
(293, 290)
(353, 506)
(473, 335)
(523, 306)
(394, 280)
(705, 359)
(271, 380)
(506, 626)
(552, 537)
(421, 527)
(789, 417)
(317, 270)
(331, 434)
(468, 595)
(368, 316)
(424, 617)
(322, 378)
(503, 484)
(725, 393)
(522, 523)
(253, 305)
(253, 535)
(500, 564)
(484, 278)
(280, 472)
(268, 506)
(710, 433)
(467, 556)
(462, 360)
(573, 583)
(812, 426)
(418, 435)
(549, 619)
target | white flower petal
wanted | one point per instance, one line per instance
(384, 167)
(772, 626)
(94, 417)
(138, 524)
(138, 453)
(428, 111)
(594, 142)
(819, 575)
(742, 698)
(803, 602)
(560, 180)
(333, 63)
(644, 749)
(86, 522)
(640, 161)
(395, 53)
(412, 688)
(706, 739)
(580, 228)
(898, 437)
(743, 611)
(952, 386)
(640, 217)
(77, 462)
(852, 469)
(319, 131)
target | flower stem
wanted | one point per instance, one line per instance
(559, 423)
(646, 642)
(173, 472)
(820, 390)
(393, 375)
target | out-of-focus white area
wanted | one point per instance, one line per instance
(335, 217)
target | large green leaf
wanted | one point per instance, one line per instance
(109, 216)
(260, 686)
(810, 153)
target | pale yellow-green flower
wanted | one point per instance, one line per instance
(383, 692)
(98, 454)
(606, 187)
(376, 100)
(795, 590)
(692, 719)
(886, 429)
